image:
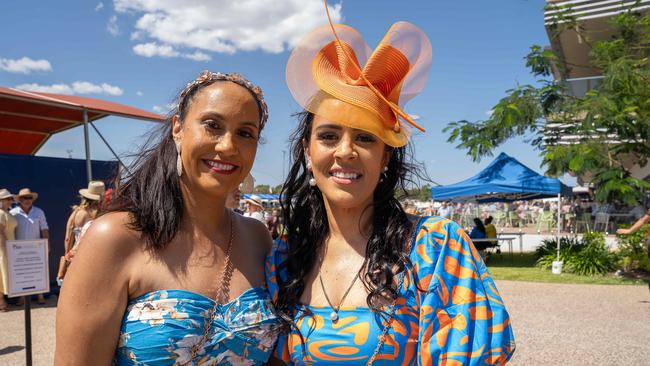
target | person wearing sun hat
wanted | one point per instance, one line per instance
(32, 223)
(82, 214)
(254, 208)
(356, 281)
(7, 232)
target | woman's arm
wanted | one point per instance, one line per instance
(69, 238)
(94, 294)
(637, 225)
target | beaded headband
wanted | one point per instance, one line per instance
(210, 77)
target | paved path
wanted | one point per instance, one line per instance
(557, 324)
(554, 325)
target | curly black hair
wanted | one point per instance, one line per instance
(307, 227)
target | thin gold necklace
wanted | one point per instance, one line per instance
(334, 315)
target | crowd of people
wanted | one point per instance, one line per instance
(522, 213)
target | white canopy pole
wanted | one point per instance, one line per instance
(559, 218)
(556, 268)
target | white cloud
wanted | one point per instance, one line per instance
(197, 56)
(224, 26)
(152, 49)
(112, 26)
(99, 6)
(163, 110)
(78, 87)
(24, 65)
(139, 93)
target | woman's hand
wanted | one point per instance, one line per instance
(623, 232)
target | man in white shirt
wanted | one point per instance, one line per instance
(31, 220)
(445, 211)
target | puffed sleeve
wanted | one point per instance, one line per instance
(273, 260)
(463, 320)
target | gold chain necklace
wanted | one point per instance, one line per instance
(222, 296)
(334, 315)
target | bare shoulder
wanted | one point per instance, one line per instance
(111, 233)
(260, 234)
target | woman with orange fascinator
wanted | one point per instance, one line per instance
(357, 282)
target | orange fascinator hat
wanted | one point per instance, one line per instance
(334, 74)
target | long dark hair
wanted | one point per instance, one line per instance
(150, 191)
(479, 225)
(307, 227)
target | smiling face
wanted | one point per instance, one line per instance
(218, 137)
(26, 202)
(346, 162)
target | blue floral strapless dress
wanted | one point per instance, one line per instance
(161, 327)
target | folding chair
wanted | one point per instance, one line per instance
(546, 218)
(584, 220)
(601, 221)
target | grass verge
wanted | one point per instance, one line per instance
(521, 267)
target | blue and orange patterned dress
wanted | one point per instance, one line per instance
(161, 327)
(454, 316)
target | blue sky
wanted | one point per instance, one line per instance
(141, 52)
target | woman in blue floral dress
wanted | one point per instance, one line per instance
(169, 275)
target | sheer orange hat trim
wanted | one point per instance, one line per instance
(328, 78)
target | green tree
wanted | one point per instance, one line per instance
(262, 188)
(277, 189)
(422, 194)
(610, 124)
(266, 188)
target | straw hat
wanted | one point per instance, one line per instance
(344, 81)
(27, 192)
(255, 200)
(4, 193)
(95, 190)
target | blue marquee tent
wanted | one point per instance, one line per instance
(263, 196)
(504, 180)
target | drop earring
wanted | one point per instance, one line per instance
(383, 176)
(312, 181)
(179, 161)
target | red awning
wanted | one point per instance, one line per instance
(28, 119)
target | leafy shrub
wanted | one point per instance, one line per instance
(632, 250)
(546, 253)
(595, 258)
(589, 256)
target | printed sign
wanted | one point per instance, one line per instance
(28, 267)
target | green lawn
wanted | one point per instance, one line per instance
(521, 267)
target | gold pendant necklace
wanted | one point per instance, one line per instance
(334, 315)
